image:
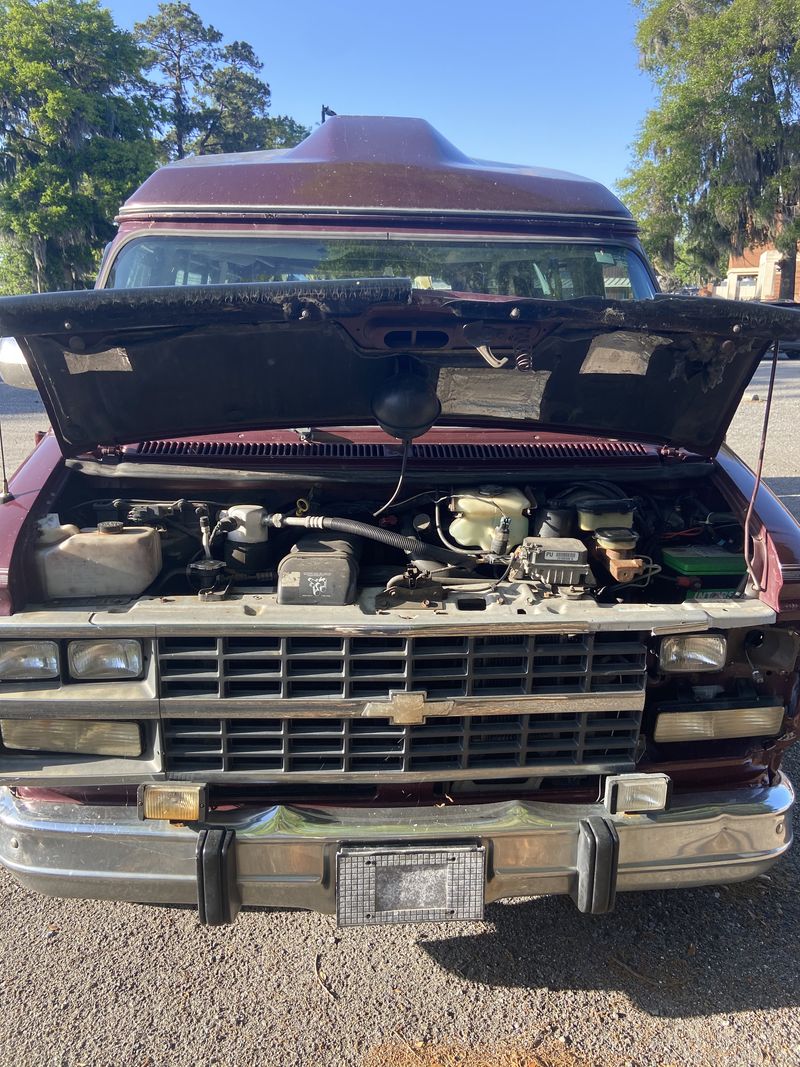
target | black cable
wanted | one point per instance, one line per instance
(412, 545)
(396, 493)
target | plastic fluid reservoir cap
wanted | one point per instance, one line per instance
(204, 574)
(112, 526)
(616, 537)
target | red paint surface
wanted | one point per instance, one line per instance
(373, 163)
(776, 531)
(33, 485)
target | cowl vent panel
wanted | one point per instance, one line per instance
(432, 453)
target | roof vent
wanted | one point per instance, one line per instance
(375, 139)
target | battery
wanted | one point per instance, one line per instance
(703, 561)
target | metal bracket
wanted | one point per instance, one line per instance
(207, 596)
(421, 593)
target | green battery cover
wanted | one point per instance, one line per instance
(703, 561)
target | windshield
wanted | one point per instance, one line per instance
(555, 270)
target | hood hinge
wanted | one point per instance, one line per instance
(108, 452)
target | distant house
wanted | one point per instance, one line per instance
(755, 275)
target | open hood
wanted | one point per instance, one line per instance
(119, 366)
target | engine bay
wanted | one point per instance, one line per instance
(465, 548)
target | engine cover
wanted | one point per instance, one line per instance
(319, 570)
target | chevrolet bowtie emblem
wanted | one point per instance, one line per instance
(407, 709)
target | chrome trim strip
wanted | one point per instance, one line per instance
(138, 210)
(20, 706)
(285, 853)
(345, 778)
(233, 707)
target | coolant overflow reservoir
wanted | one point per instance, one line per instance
(108, 560)
(479, 511)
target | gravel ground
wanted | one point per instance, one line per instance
(696, 977)
(22, 414)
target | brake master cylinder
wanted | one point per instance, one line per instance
(617, 546)
(480, 515)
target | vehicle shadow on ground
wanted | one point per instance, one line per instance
(675, 954)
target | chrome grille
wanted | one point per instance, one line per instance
(368, 667)
(480, 744)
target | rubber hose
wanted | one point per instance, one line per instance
(411, 545)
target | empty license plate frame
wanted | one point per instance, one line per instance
(409, 884)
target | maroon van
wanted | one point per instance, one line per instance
(386, 558)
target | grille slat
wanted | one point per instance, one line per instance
(463, 743)
(321, 667)
(325, 669)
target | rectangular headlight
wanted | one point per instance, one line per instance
(72, 735)
(105, 660)
(696, 652)
(28, 661)
(718, 724)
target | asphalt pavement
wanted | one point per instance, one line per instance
(698, 977)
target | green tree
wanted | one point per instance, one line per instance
(717, 161)
(211, 96)
(181, 52)
(74, 138)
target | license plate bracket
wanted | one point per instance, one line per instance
(409, 884)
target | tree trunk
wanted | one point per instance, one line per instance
(788, 267)
(179, 131)
(39, 251)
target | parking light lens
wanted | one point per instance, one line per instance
(28, 661)
(78, 736)
(706, 652)
(176, 803)
(105, 660)
(635, 793)
(718, 724)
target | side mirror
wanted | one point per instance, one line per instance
(14, 369)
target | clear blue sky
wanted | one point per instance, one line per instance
(548, 83)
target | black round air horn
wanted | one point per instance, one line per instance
(405, 406)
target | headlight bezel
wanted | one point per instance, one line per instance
(693, 653)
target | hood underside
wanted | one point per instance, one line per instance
(117, 366)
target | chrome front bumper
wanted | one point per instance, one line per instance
(285, 856)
